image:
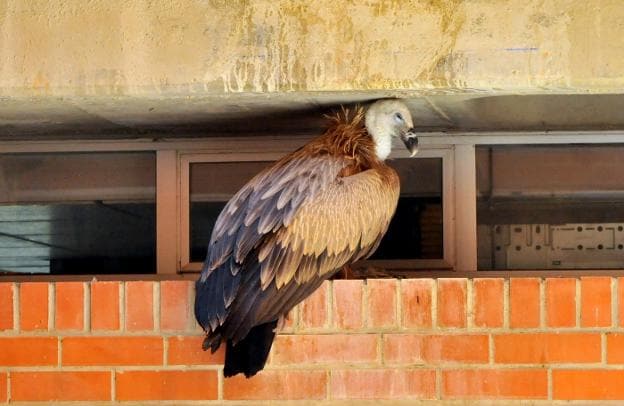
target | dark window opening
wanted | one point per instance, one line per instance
(416, 230)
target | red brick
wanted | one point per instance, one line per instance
(595, 301)
(188, 351)
(615, 348)
(312, 349)
(139, 306)
(620, 295)
(88, 351)
(69, 300)
(488, 302)
(383, 384)
(60, 386)
(410, 348)
(277, 385)
(347, 304)
(6, 307)
(3, 386)
(174, 305)
(105, 306)
(166, 385)
(452, 302)
(594, 384)
(560, 302)
(416, 302)
(547, 348)
(33, 306)
(28, 351)
(382, 302)
(524, 302)
(495, 384)
(314, 308)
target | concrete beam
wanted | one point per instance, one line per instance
(146, 48)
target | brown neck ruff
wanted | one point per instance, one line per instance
(347, 137)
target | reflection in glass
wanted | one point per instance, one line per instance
(77, 213)
(550, 207)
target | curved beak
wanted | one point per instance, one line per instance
(411, 141)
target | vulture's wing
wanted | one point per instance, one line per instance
(265, 204)
(335, 227)
(288, 230)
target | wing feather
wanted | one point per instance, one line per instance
(232, 285)
(263, 206)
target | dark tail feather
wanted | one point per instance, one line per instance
(250, 354)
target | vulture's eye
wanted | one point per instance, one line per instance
(398, 117)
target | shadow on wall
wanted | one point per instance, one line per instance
(296, 113)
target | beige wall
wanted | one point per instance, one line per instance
(199, 47)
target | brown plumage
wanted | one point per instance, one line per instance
(294, 225)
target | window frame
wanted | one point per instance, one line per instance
(448, 261)
(65, 147)
(185, 161)
(466, 188)
(460, 147)
(446, 154)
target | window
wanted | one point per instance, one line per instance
(77, 213)
(550, 207)
(470, 204)
(418, 237)
(416, 231)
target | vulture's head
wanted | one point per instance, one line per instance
(387, 119)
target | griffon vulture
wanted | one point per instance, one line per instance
(294, 225)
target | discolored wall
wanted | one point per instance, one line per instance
(194, 47)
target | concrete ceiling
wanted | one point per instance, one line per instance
(293, 113)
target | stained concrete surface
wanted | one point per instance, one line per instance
(252, 114)
(113, 68)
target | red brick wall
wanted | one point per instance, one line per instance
(451, 339)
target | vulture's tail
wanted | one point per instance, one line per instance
(250, 354)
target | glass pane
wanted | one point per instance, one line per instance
(77, 213)
(212, 184)
(550, 207)
(415, 232)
